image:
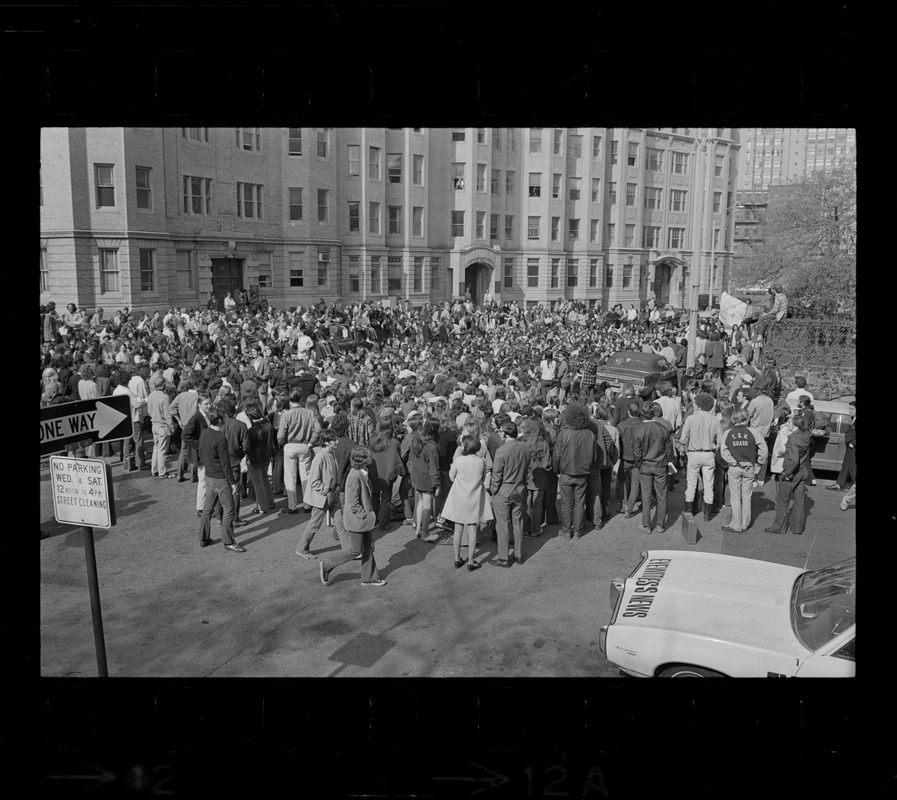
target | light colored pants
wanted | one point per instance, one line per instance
(161, 440)
(699, 463)
(850, 496)
(318, 518)
(200, 488)
(296, 458)
(741, 486)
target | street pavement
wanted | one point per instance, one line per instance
(172, 609)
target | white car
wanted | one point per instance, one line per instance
(690, 615)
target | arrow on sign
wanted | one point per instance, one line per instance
(101, 777)
(491, 780)
(107, 418)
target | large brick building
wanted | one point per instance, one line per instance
(152, 217)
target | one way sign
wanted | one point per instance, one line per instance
(101, 420)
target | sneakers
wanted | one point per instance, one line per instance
(325, 576)
(833, 487)
(843, 505)
(235, 548)
(307, 555)
(380, 582)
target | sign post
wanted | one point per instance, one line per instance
(82, 495)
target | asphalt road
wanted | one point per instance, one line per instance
(172, 609)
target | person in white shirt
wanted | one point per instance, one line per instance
(667, 351)
(547, 370)
(120, 381)
(303, 345)
(229, 303)
(792, 397)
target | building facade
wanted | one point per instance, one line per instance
(154, 217)
(771, 156)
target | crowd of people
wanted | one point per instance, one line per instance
(482, 420)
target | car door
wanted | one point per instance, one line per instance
(830, 448)
(837, 659)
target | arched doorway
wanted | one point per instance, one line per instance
(663, 279)
(476, 278)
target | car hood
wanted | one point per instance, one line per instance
(705, 594)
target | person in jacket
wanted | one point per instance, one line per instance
(509, 475)
(299, 427)
(339, 425)
(653, 453)
(716, 356)
(157, 406)
(183, 407)
(389, 466)
(573, 455)
(360, 519)
(791, 489)
(321, 492)
(236, 433)
(258, 456)
(628, 482)
(849, 465)
(467, 504)
(540, 463)
(190, 439)
(744, 449)
(423, 464)
(220, 481)
(598, 485)
(700, 435)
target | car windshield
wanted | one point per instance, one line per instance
(823, 603)
(632, 360)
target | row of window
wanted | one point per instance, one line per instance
(393, 165)
(110, 280)
(250, 139)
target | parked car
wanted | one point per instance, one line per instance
(830, 449)
(643, 370)
(694, 615)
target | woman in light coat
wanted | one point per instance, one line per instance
(467, 504)
(321, 491)
(359, 519)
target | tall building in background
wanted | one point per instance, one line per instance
(771, 156)
(153, 217)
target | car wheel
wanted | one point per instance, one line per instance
(688, 671)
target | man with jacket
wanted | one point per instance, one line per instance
(190, 440)
(574, 450)
(299, 426)
(508, 489)
(159, 410)
(183, 407)
(598, 486)
(237, 436)
(629, 430)
(320, 492)
(744, 449)
(792, 486)
(306, 382)
(220, 482)
(653, 452)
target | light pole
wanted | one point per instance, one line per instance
(697, 243)
(713, 247)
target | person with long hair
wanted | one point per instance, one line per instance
(424, 467)
(360, 519)
(724, 411)
(467, 504)
(406, 490)
(321, 491)
(386, 457)
(538, 476)
(261, 446)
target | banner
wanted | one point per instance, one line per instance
(731, 311)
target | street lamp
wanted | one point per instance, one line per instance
(697, 242)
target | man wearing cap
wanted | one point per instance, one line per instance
(159, 411)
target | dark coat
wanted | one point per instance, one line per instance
(190, 437)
